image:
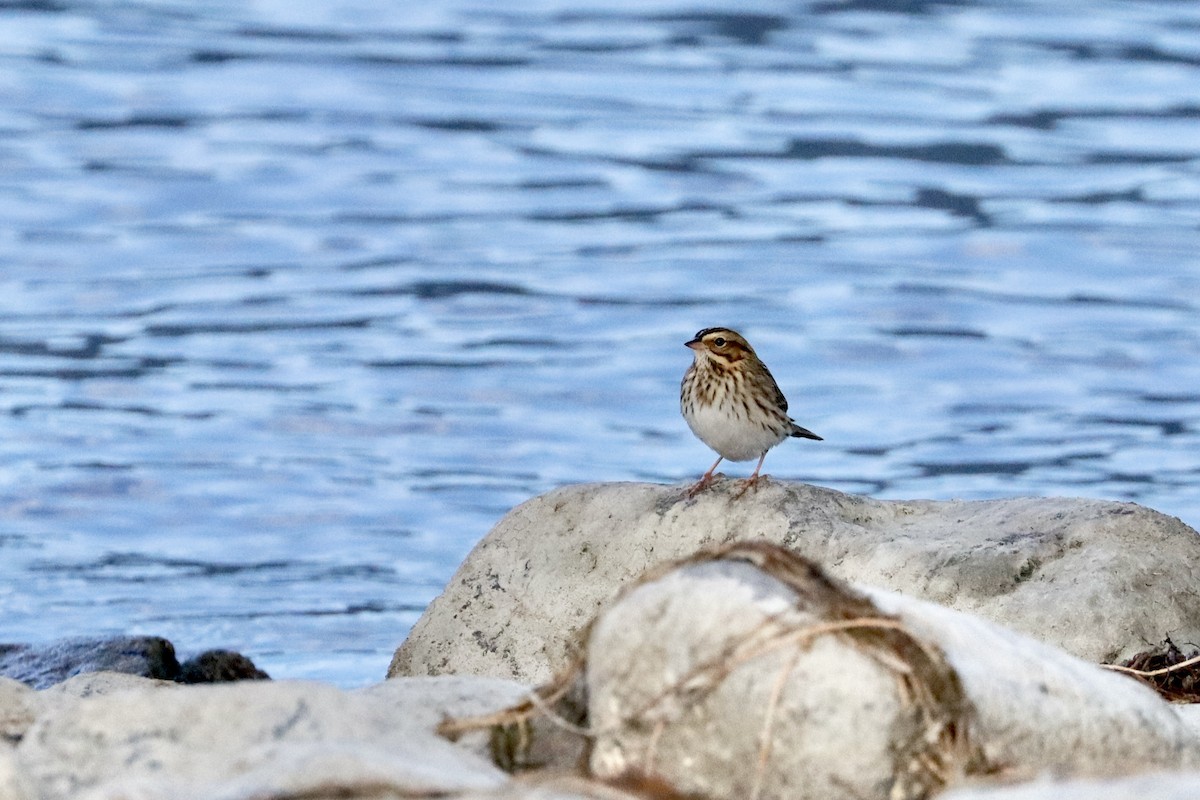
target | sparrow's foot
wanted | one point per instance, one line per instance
(750, 483)
(700, 485)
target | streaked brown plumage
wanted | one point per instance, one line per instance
(732, 403)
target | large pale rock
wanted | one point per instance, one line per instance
(10, 789)
(1038, 709)
(564, 786)
(1098, 579)
(658, 710)
(259, 740)
(1154, 786)
(19, 705)
(754, 675)
(91, 684)
(425, 703)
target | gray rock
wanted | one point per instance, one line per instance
(755, 675)
(258, 739)
(44, 665)
(220, 666)
(1098, 579)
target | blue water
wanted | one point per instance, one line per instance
(297, 299)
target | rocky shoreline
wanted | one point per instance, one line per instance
(623, 640)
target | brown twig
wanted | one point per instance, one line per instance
(747, 649)
(764, 750)
(1141, 673)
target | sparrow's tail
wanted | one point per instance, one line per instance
(803, 433)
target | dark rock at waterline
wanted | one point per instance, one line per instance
(44, 665)
(220, 666)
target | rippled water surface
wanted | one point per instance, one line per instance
(297, 299)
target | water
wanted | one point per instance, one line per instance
(297, 299)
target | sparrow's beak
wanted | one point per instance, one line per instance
(695, 344)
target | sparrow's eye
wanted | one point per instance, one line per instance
(719, 341)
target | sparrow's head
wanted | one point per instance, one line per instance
(720, 347)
